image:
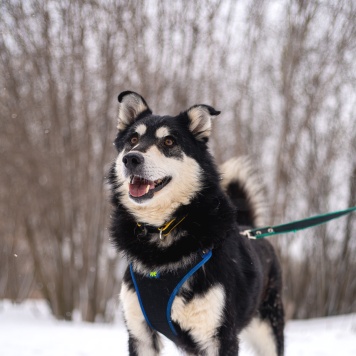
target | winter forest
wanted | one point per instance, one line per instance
(283, 75)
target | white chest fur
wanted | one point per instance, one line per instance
(201, 316)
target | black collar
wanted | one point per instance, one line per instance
(143, 229)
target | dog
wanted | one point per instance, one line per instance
(178, 218)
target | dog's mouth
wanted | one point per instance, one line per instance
(141, 188)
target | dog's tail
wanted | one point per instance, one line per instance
(246, 190)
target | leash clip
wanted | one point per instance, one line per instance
(247, 233)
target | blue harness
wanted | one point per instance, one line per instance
(156, 293)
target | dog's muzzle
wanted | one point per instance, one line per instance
(141, 187)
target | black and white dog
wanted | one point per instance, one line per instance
(192, 276)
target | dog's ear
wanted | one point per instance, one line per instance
(131, 106)
(200, 121)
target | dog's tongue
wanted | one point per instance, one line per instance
(140, 187)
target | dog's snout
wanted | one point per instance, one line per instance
(132, 160)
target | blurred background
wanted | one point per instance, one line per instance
(283, 74)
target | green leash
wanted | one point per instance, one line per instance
(295, 226)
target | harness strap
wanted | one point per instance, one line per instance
(156, 293)
(295, 226)
(205, 258)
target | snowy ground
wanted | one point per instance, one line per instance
(29, 330)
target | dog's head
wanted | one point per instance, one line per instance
(157, 168)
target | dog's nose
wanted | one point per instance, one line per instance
(132, 160)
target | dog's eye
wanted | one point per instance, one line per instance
(134, 139)
(169, 141)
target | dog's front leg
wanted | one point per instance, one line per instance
(144, 347)
(225, 347)
(222, 347)
(143, 341)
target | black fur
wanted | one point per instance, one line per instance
(248, 270)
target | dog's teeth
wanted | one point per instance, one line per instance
(131, 179)
(159, 181)
(147, 189)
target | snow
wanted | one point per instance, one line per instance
(28, 329)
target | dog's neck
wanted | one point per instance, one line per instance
(209, 217)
